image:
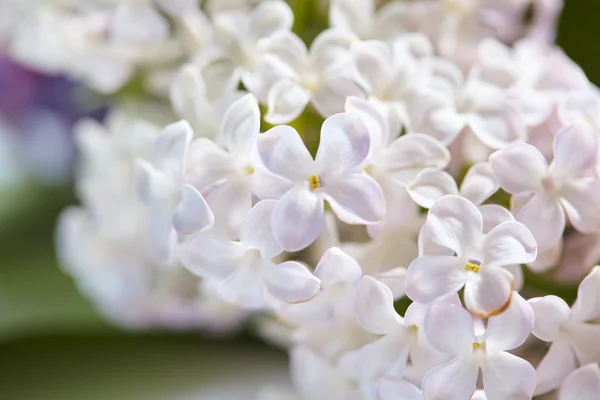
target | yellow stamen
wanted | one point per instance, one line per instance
(315, 182)
(249, 170)
(477, 345)
(472, 266)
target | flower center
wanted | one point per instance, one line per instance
(315, 182)
(249, 169)
(473, 266)
(478, 346)
(548, 184)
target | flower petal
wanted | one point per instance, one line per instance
(270, 16)
(479, 183)
(519, 168)
(329, 97)
(394, 388)
(207, 163)
(558, 362)
(137, 24)
(256, 231)
(283, 153)
(286, 101)
(550, 312)
(171, 148)
(241, 126)
(291, 282)
(373, 63)
(508, 243)
(386, 355)
(192, 214)
(506, 376)
(374, 307)
(336, 266)
(298, 219)
(498, 125)
(210, 257)
(231, 202)
(460, 374)
(488, 292)
(545, 218)
(494, 215)
(581, 139)
(581, 199)
(455, 223)
(344, 144)
(245, 287)
(356, 199)
(449, 328)
(431, 277)
(373, 120)
(581, 384)
(587, 305)
(415, 151)
(510, 329)
(430, 185)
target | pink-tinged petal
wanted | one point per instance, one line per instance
(510, 329)
(506, 376)
(488, 292)
(336, 267)
(550, 312)
(394, 388)
(329, 97)
(494, 215)
(210, 257)
(455, 223)
(430, 185)
(432, 277)
(356, 199)
(449, 328)
(283, 153)
(298, 219)
(498, 125)
(575, 152)
(373, 120)
(508, 243)
(344, 144)
(171, 148)
(415, 151)
(582, 384)
(519, 168)
(291, 282)
(460, 375)
(545, 218)
(241, 126)
(581, 200)
(286, 101)
(587, 305)
(192, 214)
(556, 365)
(374, 307)
(256, 231)
(479, 183)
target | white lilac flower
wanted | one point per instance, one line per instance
(572, 332)
(176, 206)
(333, 176)
(581, 384)
(542, 194)
(450, 328)
(466, 257)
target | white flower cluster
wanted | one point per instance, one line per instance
(209, 222)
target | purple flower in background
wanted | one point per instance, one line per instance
(37, 113)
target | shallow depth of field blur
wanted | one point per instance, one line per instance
(53, 345)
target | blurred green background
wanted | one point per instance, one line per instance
(54, 346)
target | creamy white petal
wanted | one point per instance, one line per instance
(579, 139)
(430, 185)
(455, 223)
(192, 214)
(291, 282)
(449, 328)
(374, 307)
(210, 257)
(355, 198)
(488, 292)
(506, 376)
(298, 219)
(498, 125)
(373, 120)
(171, 148)
(545, 218)
(286, 101)
(508, 243)
(394, 388)
(587, 305)
(344, 144)
(373, 63)
(431, 277)
(494, 215)
(257, 232)
(510, 329)
(241, 126)
(581, 200)
(550, 312)
(207, 163)
(479, 183)
(137, 24)
(519, 168)
(460, 375)
(336, 266)
(581, 384)
(282, 152)
(270, 16)
(245, 287)
(329, 97)
(231, 202)
(415, 151)
(556, 365)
